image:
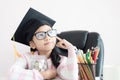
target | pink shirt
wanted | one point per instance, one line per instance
(67, 69)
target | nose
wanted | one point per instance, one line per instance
(47, 37)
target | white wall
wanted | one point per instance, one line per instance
(102, 16)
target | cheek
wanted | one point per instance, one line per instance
(39, 44)
(54, 41)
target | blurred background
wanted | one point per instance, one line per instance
(102, 16)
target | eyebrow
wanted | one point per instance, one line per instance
(42, 31)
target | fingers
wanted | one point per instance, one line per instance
(58, 38)
(49, 74)
(60, 44)
(63, 43)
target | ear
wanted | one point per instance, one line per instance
(32, 44)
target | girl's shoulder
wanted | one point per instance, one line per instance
(29, 54)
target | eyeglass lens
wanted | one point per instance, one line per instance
(42, 35)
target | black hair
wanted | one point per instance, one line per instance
(55, 57)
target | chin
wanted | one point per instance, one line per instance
(49, 47)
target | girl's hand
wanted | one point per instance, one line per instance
(63, 43)
(49, 74)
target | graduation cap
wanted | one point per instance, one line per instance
(30, 23)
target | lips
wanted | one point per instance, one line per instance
(47, 43)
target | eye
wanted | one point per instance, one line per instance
(40, 35)
(52, 32)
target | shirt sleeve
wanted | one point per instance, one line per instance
(19, 72)
(68, 68)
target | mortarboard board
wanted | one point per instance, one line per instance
(30, 23)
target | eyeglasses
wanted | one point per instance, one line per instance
(42, 35)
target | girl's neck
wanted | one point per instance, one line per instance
(47, 53)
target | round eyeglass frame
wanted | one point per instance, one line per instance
(46, 33)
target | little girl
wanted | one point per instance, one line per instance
(36, 31)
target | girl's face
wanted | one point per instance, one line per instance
(41, 43)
